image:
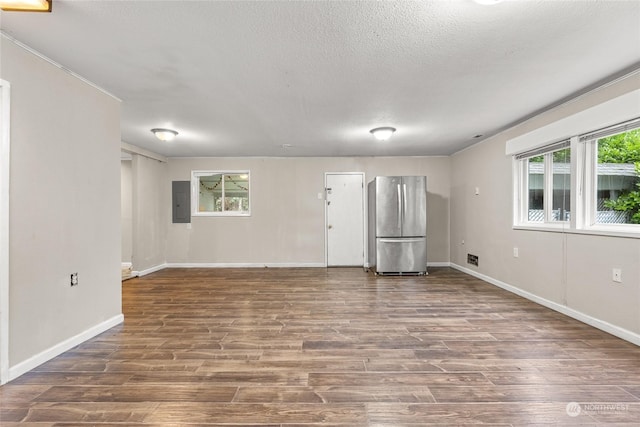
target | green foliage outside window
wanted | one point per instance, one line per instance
(623, 148)
(620, 148)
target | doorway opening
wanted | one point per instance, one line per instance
(126, 214)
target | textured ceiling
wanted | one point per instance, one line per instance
(249, 78)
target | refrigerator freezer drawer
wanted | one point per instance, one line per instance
(401, 255)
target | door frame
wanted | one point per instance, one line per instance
(5, 153)
(364, 217)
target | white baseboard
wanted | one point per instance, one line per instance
(228, 265)
(439, 264)
(245, 265)
(258, 265)
(126, 265)
(619, 332)
(149, 270)
(48, 354)
(270, 265)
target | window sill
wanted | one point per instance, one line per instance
(608, 232)
(221, 214)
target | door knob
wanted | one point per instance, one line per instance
(330, 226)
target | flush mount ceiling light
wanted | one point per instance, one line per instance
(164, 134)
(383, 133)
(26, 5)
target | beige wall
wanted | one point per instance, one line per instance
(287, 218)
(151, 212)
(572, 270)
(65, 200)
(126, 210)
(64, 207)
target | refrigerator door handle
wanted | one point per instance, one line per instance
(404, 199)
(399, 207)
(401, 240)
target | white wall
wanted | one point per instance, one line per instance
(151, 212)
(287, 218)
(64, 208)
(126, 210)
(568, 269)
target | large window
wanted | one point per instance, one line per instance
(598, 190)
(220, 193)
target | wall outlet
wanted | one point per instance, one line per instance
(472, 259)
(74, 279)
(516, 254)
(617, 275)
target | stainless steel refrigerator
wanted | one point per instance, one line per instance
(398, 225)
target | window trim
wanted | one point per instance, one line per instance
(589, 141)
(607, 114)
(521, 187)
(195, 193)
(583, 185)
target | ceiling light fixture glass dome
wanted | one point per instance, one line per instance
(164, 134)
(383, 133)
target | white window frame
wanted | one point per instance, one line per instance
(195, 193)
(584, 183)
(613, 112)
(590, 182)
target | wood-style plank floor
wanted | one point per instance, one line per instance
(331, 347)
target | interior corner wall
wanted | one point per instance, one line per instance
(287, 223)
(151, 208)
(64, 207)
(567, 269)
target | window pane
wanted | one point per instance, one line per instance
(560, 207)
(535, 205)
(210, 193)
(236, 192)
(221, 193)
(618, 182)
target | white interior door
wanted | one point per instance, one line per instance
(345, 219)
